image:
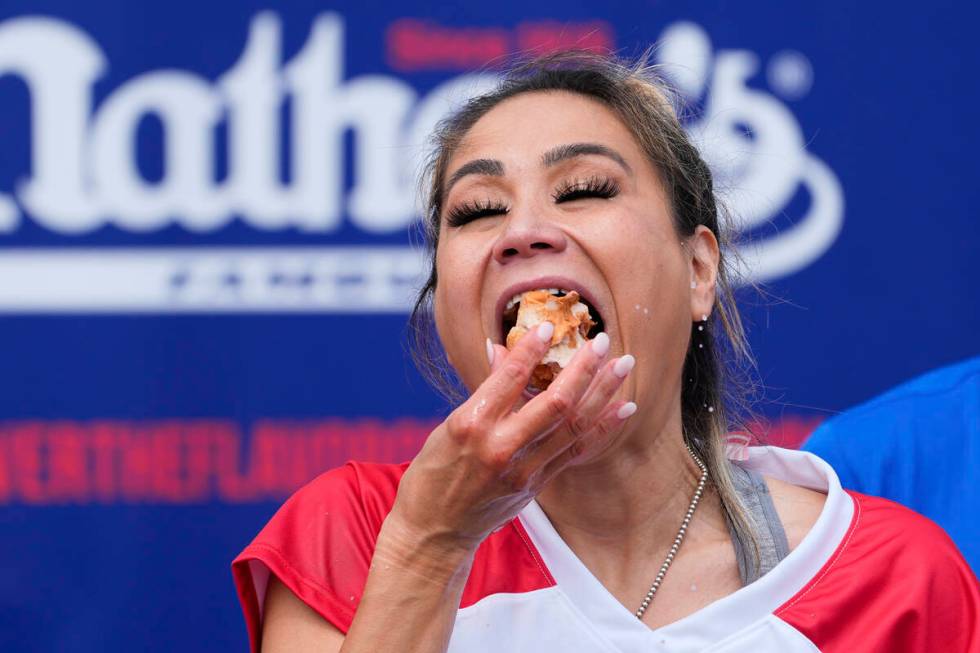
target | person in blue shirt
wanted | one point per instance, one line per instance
(919, 445)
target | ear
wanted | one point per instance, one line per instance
(702, 247)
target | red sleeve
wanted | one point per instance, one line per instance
(897, 584)
(319, 544)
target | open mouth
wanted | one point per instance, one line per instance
(513, 306)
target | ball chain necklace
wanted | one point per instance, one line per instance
(680, 536)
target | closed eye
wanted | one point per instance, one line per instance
(474, 210)
(601, 187)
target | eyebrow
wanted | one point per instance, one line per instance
(561, 153)
(554, 156)
(490, 167)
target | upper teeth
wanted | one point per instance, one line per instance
(517, 298)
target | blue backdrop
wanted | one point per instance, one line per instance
(205, 265)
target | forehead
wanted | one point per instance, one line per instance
(520, 128)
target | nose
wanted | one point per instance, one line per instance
(524, 238)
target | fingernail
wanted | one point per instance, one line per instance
(600, 344)
(626, 410)
(623, 366)
(545, 331)
(489, 352)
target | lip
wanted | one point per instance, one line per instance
(541, 282)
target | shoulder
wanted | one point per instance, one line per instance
(941, 385)
(896, 582)
(889, 542)
(370, 487)
(931, 401)
(319, 544)
(798, 508)
(354, 496)
(896, 536)
(876, 519)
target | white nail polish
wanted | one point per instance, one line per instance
(626, 410)
(545, 331)
(600, 344)
(489, 352)
(624, 365)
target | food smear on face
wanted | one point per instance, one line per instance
(572, 324)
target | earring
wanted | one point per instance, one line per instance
(704, 319)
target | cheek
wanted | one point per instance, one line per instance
(645, 257)
(457, 292)
(457, 315)
(656, 325)
(651, 275)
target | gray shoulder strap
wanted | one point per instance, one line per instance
(771, 536)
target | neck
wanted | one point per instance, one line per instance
(630, 501)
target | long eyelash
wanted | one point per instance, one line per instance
(469, 211)
(602, 187)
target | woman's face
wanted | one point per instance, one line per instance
(550, 190)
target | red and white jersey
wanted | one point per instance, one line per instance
(870, 576)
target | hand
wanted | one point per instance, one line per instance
(482, 465)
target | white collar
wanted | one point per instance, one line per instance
(730, 614)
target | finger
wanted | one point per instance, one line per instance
(508, 379)
(500, 354)
(546, 411)
(552, 458)
(564, 441)
(605, 385)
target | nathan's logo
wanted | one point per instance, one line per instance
(756, 148)
(85, 172)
